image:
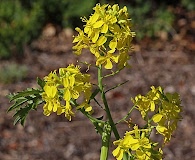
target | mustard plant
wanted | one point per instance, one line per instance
(107, 35)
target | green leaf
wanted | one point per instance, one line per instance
(25, 93)
(20, 115)
(24, 102)
(17, 103)
(40, 82)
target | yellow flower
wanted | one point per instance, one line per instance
(81, 41)
(122, 60)
(167, 110)
(143, 155)
(118, 153)
(86, 106)
(69, 90)
(107, 31)
(51, 98)
(167, 121)
(66, 86)
(147, 103)
(68, 111)
(107, 60)
(52, 78)
(134, 140)
(168, 116)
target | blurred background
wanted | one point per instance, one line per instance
(36, 38)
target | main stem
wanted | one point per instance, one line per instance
(111, 122)
(105, 144)
(105, 141)
(106, 138)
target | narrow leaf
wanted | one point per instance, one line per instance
(40, 82)
(25, 93)
(17, 104)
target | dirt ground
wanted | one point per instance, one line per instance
(168, 63)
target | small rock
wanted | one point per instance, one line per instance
(170, 89)
(192, 89)
(49, 31)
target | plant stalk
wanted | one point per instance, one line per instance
(105, 141)
(111, 122)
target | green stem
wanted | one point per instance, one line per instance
(104, 151)
(105, 141)
(118, 85)
(125, 117)
(114, 73)
(111, 122)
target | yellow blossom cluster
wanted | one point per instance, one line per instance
(67, 85)
(166, 109)
(137, 145)
(106, 31)
(147, 103)
(168, 115)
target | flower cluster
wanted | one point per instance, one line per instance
(106, 31)
(137, 145)
(166, 109)
(168, 115)
(147, 103)
(67, 86)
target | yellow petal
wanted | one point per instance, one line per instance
(94, 18)
(67, 95)
(101, 40)
(88, 109)
(98, 24)
(50, 106)
(50, 91)
(86, 29)
(115, 58)
(65, 82)
(95, 37)
(157, 117)
(161, 129)
(104, 28)
(118, 153)
(46, 112)
(115, 7)
(76, 39)
(152, 106)
(72, 80)
(60, 111)
(100, 60)
(134, 147)
(55, 107)
(108, 64)
(112, 51)
(113, 44)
